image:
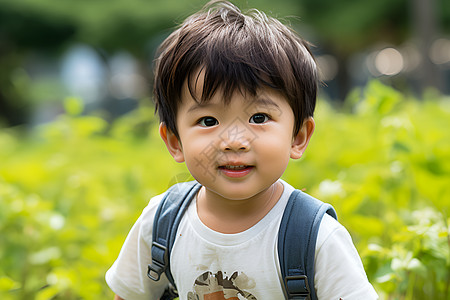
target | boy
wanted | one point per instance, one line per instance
(235, 94)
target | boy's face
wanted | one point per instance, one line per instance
(240, 149)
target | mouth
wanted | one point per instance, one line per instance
(236, 171)
(233, 167)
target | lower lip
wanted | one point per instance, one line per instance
(236, 173)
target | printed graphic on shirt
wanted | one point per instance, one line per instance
(218, 286)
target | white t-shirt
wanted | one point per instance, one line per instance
(210, 265)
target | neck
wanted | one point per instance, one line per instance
(233, 216)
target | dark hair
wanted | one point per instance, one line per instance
(235, 51)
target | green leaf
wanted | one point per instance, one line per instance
(73, 106)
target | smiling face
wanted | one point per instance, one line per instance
(239, 149)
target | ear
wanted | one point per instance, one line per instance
(172, 143)
(301, 140)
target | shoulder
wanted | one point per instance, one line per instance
(153, 204)
(334, 237)
(339, 271)
(148, 214)
(329, 227)
(127, 277)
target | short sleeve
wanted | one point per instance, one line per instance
(127, 277)
(339, 272)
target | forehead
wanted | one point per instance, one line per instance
(264, 98)
(203, 86)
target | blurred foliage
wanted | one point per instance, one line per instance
(71, 189)
(43, 29)
(358, 24)
(107, 24)
(68, 193)
(352, 25)
(384, 163)
(36, 30)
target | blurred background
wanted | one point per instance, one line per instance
(80, 152)
(102, 51)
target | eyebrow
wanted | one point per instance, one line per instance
(197, 106)
(265, 102)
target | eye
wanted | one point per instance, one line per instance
(259, 118)
(208, 121)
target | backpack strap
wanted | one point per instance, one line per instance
(297, 243)
(167, 218)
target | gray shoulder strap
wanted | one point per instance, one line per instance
(165, 225)
(297, 243)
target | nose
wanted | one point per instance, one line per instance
(235, 139)
(235, 145)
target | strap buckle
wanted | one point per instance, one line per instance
(297, 287)
(159, 261)
(154, 271)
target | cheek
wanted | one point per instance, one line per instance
(203, 149)
(277, 152)
(275, 165)
(278, 142)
